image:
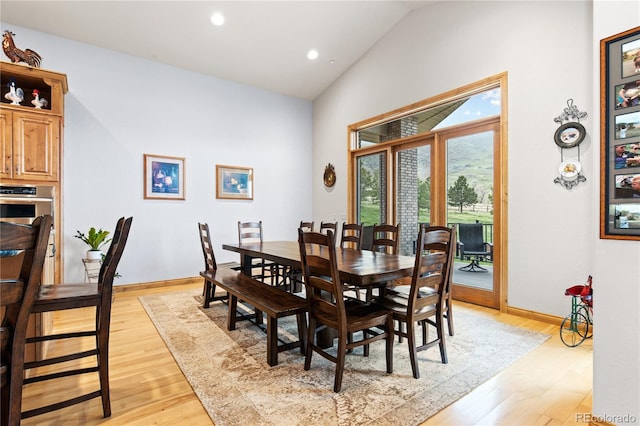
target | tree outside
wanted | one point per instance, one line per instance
(461, 194)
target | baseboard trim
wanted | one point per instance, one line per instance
(538, 316)
(156, 284)
(167, 283)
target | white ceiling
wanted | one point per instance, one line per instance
(262, 44)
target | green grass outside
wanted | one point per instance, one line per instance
(370, 214)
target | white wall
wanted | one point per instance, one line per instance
(616, 354)
(120, 107)
(451, 44)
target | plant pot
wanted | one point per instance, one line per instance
(94, 254)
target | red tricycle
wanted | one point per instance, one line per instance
(578, 325)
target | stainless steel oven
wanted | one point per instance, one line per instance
(22, 204)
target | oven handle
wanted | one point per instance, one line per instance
(26, 199)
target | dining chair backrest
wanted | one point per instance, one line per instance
(112, 258)
(433, 265)
(325, 226)
(249, 232)
(210, 267)
(306, 226)
(385, 238)
(207, 248)
(23, 249)
(351, 235)
(322, 279)
(472, 238)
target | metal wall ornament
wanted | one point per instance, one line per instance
(569, 135)
(329, 176)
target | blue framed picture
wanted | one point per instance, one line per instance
(164, 177)
(234, 182)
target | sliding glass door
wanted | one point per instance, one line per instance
(470, 180)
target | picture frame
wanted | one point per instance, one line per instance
(234, 182)
(620, 136)
(569, 135)
(164, 177)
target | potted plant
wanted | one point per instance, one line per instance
(95, 240)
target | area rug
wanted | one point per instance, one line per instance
(229, 373)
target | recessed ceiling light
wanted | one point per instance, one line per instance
(312, 54)
(217, 19)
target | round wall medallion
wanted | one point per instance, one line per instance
(329, 175)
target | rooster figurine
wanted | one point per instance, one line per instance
(27, 56)
(15, 94)
(37, 101)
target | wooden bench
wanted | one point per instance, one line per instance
(275, 303)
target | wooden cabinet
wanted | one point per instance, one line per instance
(31, 138)
(30, 146)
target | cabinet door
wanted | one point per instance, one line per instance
(5, 145)
(36, 141)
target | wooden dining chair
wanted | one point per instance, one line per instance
(306, 226)
(425, 303)
(64, 296)
(385, 238)
(433, 244)
(325, 226)
(351, 238)
(329, 309)
(23, 249)
(251, 232)
(351, 235)
(210, 266)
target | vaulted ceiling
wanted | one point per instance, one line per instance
(262, 43)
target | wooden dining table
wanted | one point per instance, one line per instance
(360, 268)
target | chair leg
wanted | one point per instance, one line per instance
(311, 333)
(340, 361)
(443, 348)
(389, 340)
(474, 266)
(207, 293)
(12, 397)
(425, 331)
(365, 335)
(103, 360)
(302, 332)
(413, 352)
(449, 316)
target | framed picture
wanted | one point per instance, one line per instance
(569, 135)
(234, 182)
(163, 177)
(620, 136)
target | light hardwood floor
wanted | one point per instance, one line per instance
(549, 386)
